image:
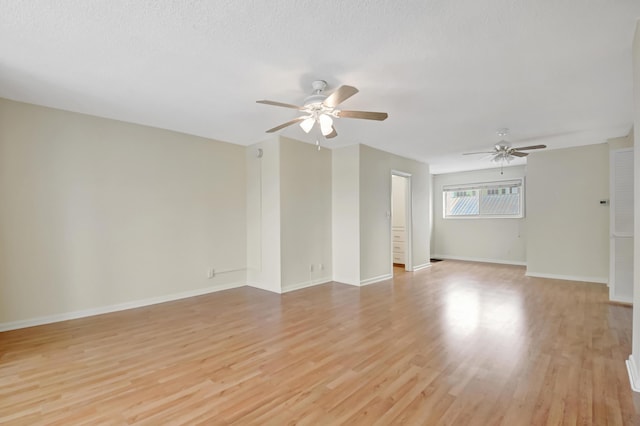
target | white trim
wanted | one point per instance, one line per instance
(306, 284)
(261, 287)
(14, 325)
(478, 217)
(634, 380)
(628, 300)
(346, 282)
(423, 266)
(400, 173)
(376, 279)
(479, 259)
(500, 183)
(598, 280)
(255, 285)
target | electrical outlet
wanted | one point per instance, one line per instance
(211, 273)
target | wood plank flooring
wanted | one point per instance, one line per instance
(457, 344)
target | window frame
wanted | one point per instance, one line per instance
(478, 186)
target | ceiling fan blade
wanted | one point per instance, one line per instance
(340, 95)
(287, 124)
(519, 154)
(333, 133)
(479, 152)
(530, 147)
(368, 115)
(280, 104)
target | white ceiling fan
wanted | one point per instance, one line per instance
(503, 151)
(322, 109)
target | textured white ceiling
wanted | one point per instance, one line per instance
(449, 73)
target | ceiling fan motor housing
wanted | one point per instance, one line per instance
(317, 97)
(314, 99)
(319, 85)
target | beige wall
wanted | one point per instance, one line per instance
(375, 207)
(288, 215)
(305, 207)
(263, 215)
(484, 240)
(345, 205)
(100, 215)
(361, 179)
(97, 212)
(567, 227)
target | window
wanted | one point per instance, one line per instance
(483, 200)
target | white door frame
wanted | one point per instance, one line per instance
(408, 211)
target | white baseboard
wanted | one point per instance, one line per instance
(376, 279)
(346, 281)
(480, 259)
(14, 325)
(306, 284)
(423, 266)
(598, 280)
(628, 300)
(262, 287)
(632, 369)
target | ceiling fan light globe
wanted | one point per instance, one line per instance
(326, 124)
(307, 124)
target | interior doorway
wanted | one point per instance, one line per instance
(401, 224)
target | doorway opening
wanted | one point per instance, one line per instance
(401, 224)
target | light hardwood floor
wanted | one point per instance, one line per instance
(459, 343)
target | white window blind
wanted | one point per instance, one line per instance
(484, 199)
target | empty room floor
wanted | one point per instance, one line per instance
(458, 343)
